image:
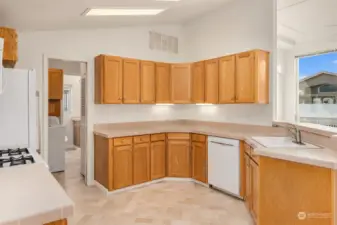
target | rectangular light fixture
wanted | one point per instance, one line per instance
(121, 12)
(204, 104)
(164, 104)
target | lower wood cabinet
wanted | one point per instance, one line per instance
(248, 190)
(254, 173)
(199, 161)
(123, 163)
(178, 158)
(158, 160)
(141, 163)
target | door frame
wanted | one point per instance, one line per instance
(43, 111)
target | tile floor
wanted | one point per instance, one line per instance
(166, 203)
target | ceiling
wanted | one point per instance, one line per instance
(66, 14)
(306, 20)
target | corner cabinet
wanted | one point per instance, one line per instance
(181, 83)
(252, 77)
(108, 79)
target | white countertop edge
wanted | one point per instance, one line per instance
(309, 161)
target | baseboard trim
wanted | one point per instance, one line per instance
(107, 192)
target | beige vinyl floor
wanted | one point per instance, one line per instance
(165, 203)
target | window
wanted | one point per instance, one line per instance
(317, 89)
(67, 98)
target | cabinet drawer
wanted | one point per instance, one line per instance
(198, 138)
(158, 137)
(123, 141)
(141, 139)
(178, 136)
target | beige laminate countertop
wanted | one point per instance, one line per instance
(321, 157)
(31, 196)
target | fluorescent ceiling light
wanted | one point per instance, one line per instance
(122, 12)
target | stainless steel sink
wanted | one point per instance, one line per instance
(281, 142)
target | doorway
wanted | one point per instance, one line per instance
(65, 136)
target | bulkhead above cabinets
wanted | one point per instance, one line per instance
(233, 79)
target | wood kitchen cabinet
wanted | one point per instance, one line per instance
(248, 189)
(254, 173)
(123, 166)
(54, 108)
(212, 81)
(55, 84)
(181, 83)
(252, 77)
(58, 222)
(147, 82)
(198, 82)
(158, 156)
(108, 79)
(199, 158)
(178, 155)
(227, 79)
(10, 50)
(131, 81)
(163, 83)
(141, 163)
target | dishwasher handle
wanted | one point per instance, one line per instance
(219, 143)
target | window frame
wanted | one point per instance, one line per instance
(67, 100)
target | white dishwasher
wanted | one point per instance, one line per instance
(224, 165)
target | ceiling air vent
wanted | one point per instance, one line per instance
(163, 42)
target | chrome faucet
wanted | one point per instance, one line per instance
(296, 133)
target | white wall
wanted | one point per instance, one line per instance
(75, 108)
(239, 26)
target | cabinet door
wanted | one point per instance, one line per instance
(108, 80)
(131, 81)
(55, 84)
(181, 83)
(158, 160)
(141, 163)
(199, 159)
(163, 83)
(227, 79)
(178, 153)
(147, 82)
(254, 190)
(122, 166)
(54, 108)
(198, 82)
(245, 77)
(211, 81)
(248, 183)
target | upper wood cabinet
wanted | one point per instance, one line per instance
(122, 166)
(227, 79)
(147, 82)
(108, 79)
(131, 81)
(181, 83)
(163, 82)
(10, 48)
(240, 78)
(199, 161)
(198, 82)
(141, 163)
(55, 84)
(252, 77)
(158, 160)
(211, 81)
